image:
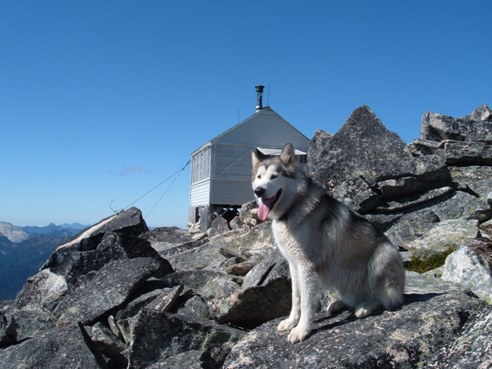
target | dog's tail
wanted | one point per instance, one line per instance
(392, 295)
(389, 280)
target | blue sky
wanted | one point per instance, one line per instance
(100, 101)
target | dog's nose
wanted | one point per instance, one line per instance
(259, 191)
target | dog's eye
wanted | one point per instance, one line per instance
(258, 176)
(273, 176)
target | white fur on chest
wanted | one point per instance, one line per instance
(293, 243)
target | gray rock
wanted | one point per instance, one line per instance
(429, 283)
(192, 359)
(474, 127)
(253, 244)
(157, 337)
(476, 180)
(407, 203)
(471, 267)
(481, 114)
(163, 238)
(378, 153)
(422, 147)
(265, 295)
(411, 224)
(80, 259)
(194, 307)
(218, 226)
(166, 300)
(130, 222)
(445, 235)
(198, 281)
(240, 269)
(247, 215)
(472, 349)
(377, 168)
(468, 153)
(213, 253)
(53, 349)
(31, 321)
(204, 256)
(8, 333)
(106, 342)
(405, 338)
(42, 290)
(152, 299)
(316, 146)
(98, 293)
(272, 268)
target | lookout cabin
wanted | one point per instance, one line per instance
(221, 168)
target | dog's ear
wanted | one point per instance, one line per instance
(257, 157)
(288, 155)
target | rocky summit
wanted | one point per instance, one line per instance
(121, 296)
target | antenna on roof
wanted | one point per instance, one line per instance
(259, 97)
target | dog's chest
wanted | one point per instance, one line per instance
(293, 243)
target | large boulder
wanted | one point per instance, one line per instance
(471, 266)
(405, 338)
(476, 126)
(444, 236)
(53, 349)
(265, 295)
(366, 166)
(106, 257)
(363, 149)
(471, 350)
(461, 141)
(118, 279)
(163, 339)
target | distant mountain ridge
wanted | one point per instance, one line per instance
(53, 229)
(24, 249)
(12, 232)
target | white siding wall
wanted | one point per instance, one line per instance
(230, 155)
(224, 192)
(200, 194)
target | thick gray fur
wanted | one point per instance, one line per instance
(324, 241)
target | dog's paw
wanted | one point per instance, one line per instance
(362, 312)
(298, 334)
(286, 325)
(336, 306)
(366, 308)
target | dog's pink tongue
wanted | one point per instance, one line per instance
(264, 209)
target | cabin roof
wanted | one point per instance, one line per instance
(265, 128)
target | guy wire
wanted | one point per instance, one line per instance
(157, 186)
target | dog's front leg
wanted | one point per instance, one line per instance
(295, 311)
(308, 288)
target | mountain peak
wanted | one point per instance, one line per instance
(13, 233)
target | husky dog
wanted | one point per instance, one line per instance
(323, 240)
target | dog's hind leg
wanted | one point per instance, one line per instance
(295, 312)
(367, 308)
(336, 306)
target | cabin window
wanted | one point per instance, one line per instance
(201, 165)
(302, 159)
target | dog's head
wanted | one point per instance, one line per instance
(271, 176)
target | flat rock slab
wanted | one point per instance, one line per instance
(472, 350)
(159, 337)
(54, 349)
(95, 295)
(405, 338)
